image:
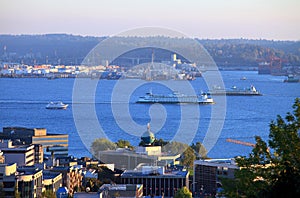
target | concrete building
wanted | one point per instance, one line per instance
(157, 180)
(88, 195)
(30, 182)
(52, 144)
(8, 180)
(71, 177)
(2, 158)
(121, 190)
(207, 172)
(38, 154)
(127, 159)
(23, 155)
(51, 180)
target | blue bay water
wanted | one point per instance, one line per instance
(23, 101)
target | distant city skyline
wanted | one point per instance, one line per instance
(214, 19)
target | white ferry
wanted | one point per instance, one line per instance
(175, 97)
(56, 105)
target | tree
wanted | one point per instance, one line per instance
(48, 194)
(102, 144)
(200, 150)
(175, 147)
(271, 170)
(188, 157)
(124, 144)
(93, 184)
(183, 192)
(157, 142)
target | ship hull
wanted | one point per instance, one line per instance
(235, 93)
(173, 102)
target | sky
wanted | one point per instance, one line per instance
(212, 19)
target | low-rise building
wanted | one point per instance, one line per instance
(30, 182)
(51, 180)
(121, 190)
(8, 180)
(71, 177)
(206, 173)
(157, 180)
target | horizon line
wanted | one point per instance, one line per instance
(106, 36)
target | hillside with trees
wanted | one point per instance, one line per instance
(71, 50)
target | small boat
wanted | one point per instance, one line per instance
(243, 78)
(175, 97)
(56, 105)
(235, 91)
(292, 79)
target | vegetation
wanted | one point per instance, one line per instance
(200, 150)
(48, 194)
(188, 153)
(184, 192)
(93, 184)
(273, 169)
(70, 49)
(157, 142)
(175, 147)
(188, 157)
(124, 144)
(102, 144)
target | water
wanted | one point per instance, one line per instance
(23, 101)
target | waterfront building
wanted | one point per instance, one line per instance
(157, 180)
(23, 155)
(52, 144)
(207, 172)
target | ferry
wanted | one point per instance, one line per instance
(235, 91)
(56, 105)
(175, 97)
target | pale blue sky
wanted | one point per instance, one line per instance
(270, 19)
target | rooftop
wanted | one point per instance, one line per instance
(156, 171)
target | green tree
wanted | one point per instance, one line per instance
(105, 175)
(188, 157)
(175, 147)
(102, 144)
(48, 194)
(124, 144)
(200, 150)
(271, 170)
(183, 192)
(94, 184)
(157, 142)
